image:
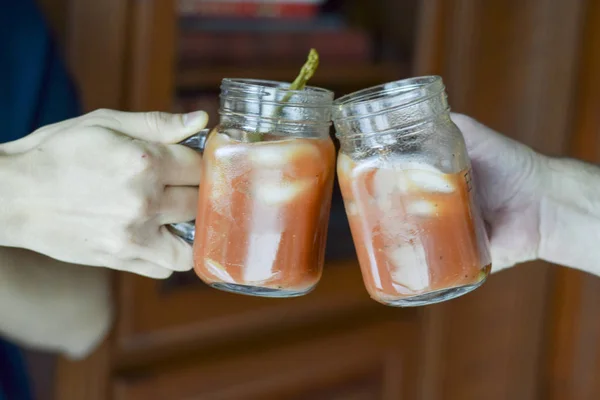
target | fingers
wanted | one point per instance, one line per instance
(158, 257)
(178, 204)
(482, 140)
(475, 133)
(153, 126)
(180, 165)
(169, 251)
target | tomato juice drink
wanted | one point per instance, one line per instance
(417, 231)
(409, 194)
(264, 209)
(265, 193)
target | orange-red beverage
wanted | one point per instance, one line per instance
(267, 178)
(416, 230)
(409, 195)
(263, 214)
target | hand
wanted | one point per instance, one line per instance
(509, 178)
(98, 190)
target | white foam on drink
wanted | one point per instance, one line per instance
(410, 266)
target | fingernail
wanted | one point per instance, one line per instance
(195, 118)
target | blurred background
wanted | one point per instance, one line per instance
(528, 68)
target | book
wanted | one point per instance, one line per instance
(324, 21)
(302, 9)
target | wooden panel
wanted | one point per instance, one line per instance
(150, 77)
(95, 47)
(187, 318)
(88, 379)
(55, 13)
(512, 65)
(361, 363)
(574, 348)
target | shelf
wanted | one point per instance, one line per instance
(209, 78)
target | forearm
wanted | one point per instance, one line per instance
(52, 305)
(570, 215)
(12, 189)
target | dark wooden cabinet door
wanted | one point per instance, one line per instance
(516, 66)
(573, 359)
(155, 320)
(374, 362)
(530, 69)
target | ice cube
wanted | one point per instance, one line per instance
(351, 208)
(428, 181)
(219, 183)
(277, 154)
(410, 175)
(394, 178)
(422, 208)
(345, 165)
(385, 187)
(279, 193)
(410, 266)
(263, 248)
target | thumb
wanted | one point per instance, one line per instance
(475, 134)
(155, 126)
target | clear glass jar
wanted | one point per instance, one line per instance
(406, 181)
(267, 178)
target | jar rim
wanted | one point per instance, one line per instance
(317, 95)
(404, 92)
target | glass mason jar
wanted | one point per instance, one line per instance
(407, 186)
(267, 178)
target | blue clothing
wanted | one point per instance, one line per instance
(14, 383)
(35, 90)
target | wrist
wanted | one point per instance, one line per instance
(12, 196)
(570, 214)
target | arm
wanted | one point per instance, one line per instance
(536, 207)
(101, 189)
(12, 185)
(52, 305)
(570, 215)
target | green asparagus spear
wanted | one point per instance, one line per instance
(306, 72)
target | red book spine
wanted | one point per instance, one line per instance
(246, 9)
